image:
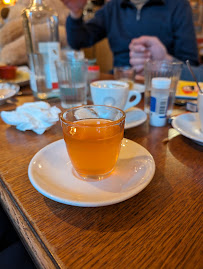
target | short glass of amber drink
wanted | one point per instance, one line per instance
(93, 136)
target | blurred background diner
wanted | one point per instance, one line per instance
(180, 32)
(121, 21)
(145, 47)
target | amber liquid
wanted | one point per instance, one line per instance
(93, 145)
(130, 83)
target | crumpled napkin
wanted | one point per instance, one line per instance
(35, 116)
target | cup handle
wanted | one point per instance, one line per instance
(134, 102)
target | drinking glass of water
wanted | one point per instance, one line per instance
(161, 78)
(72, 79)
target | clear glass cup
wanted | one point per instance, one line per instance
(40, 25)
(93, 136)
(40, 80)
(125, 73)
(161, 78)
(72, 80)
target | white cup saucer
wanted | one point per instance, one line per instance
(134, 117)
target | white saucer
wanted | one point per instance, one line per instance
(134, 117)
(51, 173)
(189, 125)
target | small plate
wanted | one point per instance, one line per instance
(50, 172)
(188, 124)
(22, 76)
(7, 90)
(134, 117)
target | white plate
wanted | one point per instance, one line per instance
(7, 90)
(22, 76)
(51, 173)
(134, 117)
(189, 125)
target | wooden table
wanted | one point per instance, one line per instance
(158, 228)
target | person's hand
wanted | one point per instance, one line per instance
(76, 7)
(145, 48)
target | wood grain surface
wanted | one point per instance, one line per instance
(161, 227)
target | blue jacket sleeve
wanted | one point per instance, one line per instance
(82, 35)
(186, 75)
(185, 43)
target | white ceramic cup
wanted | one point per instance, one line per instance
(113, 93)
(200, 110)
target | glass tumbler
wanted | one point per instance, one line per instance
(93, 136)
(125, 73)
(72, 80)
(161, 78)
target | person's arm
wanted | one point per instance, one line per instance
(185, 44)
(145, 48)
(150, 47)
(81, 34)
(76, 7)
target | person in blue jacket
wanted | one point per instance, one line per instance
(122, 20)
(150, 47)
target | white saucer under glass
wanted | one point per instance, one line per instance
(51, 173)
